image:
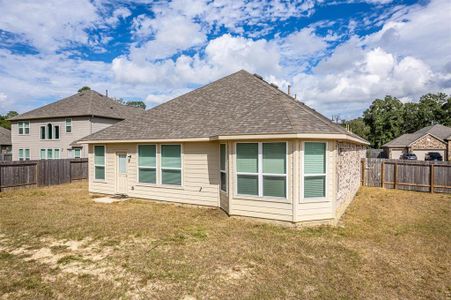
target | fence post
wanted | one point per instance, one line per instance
(395, 175)
(382, 174)
(432, 177)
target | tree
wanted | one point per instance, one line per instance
(136, 104)
(358, 127)
(4, 119)
(85, 88)
(385, 120)
(410, 114)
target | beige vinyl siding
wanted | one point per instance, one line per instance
(200, 175)
(325, 208)
(81, 127)
(264, 207)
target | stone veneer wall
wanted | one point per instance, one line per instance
(348, 173)
(428, 142)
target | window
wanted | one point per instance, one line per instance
(49, 153)
(171, 164)
(68, 125)
(147, 163)
(223, 166)
(57, 132)
(56, 153)
(314, 170)
(24, 128)
(262, 169)
(43, 154)
(77, 153)
(49, 131)
(42, 132)
(99, 162)
(24, 154)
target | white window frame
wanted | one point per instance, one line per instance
(24, 157)
(260, 173)
(104, 162)
(156, 165)
(45, 132)
(23, 125)
(74, 151)
(68, 120)
(45, 153)
(326, 177)
(160, 171)
(53, 150)
(226, 167)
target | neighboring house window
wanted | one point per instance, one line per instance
(171, 164)
(68, 125)
(223, 166)
(56, 153)
(77, 153)
(49, 153)
(57, 132)
(99, 162)
(147, 163)
(262, 169)
(43, 153)
(49, 131)
(24, 154)
(24, 128)
(314, 170)
(42, 132)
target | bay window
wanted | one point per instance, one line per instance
(147, 163)
(314, 170)
(99, 162)
(262, 169)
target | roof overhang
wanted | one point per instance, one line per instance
(305, 136)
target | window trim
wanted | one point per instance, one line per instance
(260, 173)
(21, 125)
(66, 126)
(156, 165)
(302, 199)
(104, 162)
(160, 171)
(225, 171)
(45, 132)
(53, 150)
(74, 151)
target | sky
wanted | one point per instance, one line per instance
(338, 56)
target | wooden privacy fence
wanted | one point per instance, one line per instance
(41, 172)
(423, 176)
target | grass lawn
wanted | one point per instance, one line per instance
(57, 243)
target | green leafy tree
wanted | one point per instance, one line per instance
(411, 112)
(358, 127)
(446, 109)
(136, 104)
(430, 109)
(85, 88)
(385, 119)
(4, 122)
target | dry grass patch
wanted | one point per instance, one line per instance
(56, 242)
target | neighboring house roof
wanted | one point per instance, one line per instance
(5, 136)
(438, 131)
(238, 104)
(86, 103)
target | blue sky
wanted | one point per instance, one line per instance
(337, 55)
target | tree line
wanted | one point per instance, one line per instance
(389, 118)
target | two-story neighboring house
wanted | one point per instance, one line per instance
(51, 131)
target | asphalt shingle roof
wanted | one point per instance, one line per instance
(440, 131)
(5, 136)
(238, 104)
(86, 103)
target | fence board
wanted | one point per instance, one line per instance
(41, 172)
(421, 176)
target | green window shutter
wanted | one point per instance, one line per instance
(314, 158)
(247, 157)
(248, 184)
(172, 177)
(100, 173)
(99, 153)
(43, 153)
(315, 187)
(274, 186)
(171, 156)
(274, 158)
(147, 155)
(223, 154)
(147, 175)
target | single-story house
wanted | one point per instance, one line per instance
(5, 141)
(434, 138)
(238, 143)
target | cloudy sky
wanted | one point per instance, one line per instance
(337, 55)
